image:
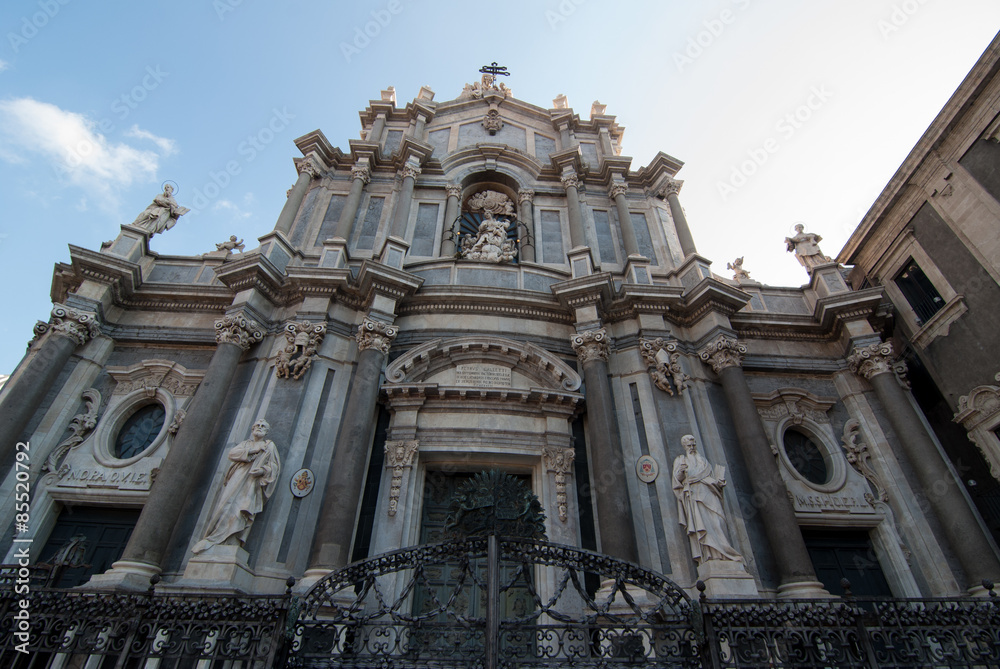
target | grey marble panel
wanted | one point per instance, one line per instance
(468, 276)
(605, 240)
(424, 230)
(471, 134)
(552, 241)
(163, 273)
(439, 140)
(330, 219)
(544, 146)
(369, 228)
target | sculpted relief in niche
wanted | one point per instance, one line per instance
(490, 243)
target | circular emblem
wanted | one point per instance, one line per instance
(302, 482)
(646, 468)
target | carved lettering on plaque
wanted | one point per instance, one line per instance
(484, 376)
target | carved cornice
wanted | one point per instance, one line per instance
(296, 357)
(868, 361)
(375, 334)
(239, 330)
(722, 353)
(80, 326)
(591, 345)
(794, 402)
(398, 455)
(155, 373)
(663, 359)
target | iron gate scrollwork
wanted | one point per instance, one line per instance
(538, 612)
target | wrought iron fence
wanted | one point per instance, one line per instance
(123, 630)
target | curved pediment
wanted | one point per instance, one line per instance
(441, 357)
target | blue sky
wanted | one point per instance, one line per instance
(102, 102)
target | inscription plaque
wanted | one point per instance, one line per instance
(484, 376)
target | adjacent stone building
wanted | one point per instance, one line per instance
(482, 283)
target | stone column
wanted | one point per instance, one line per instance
(360, 176)
(307, 172)
(448, 243)
(614, 510)
(402, 214)
(190, 454)
(571, 183)
(68, 329)
(797, 577)
(331, 547)
(525, 226)
(965, 535)
(617, 193)
(680, 221)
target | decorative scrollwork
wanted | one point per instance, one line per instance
(559, 461)
(859, 456)
(410, 171)
(492, 121)
(398, 455)
(570, 181)
(663, 360)
(867, 361)
(673, 187)
(81, 425)
(80, 326)
(495, 502)
(362, 172)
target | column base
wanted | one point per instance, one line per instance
(220, 566)
(726, 579)
(125, 575)
(803, 590)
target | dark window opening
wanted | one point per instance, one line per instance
(805, 456)
(918, 290)
(139, 431)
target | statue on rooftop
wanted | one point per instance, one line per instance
(162, 214)
(806, 247)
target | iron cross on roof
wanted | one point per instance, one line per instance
(494, 69)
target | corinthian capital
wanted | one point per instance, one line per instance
(307, 166)
(591, 345)
(617, 189)
(411, 171)
(375, 334)
(867, 361)
(525, 195)
(80, 326)
(453, 190)
(722, 353)
(362, 172)
(570, 181)
(238, 329)
(673, 187)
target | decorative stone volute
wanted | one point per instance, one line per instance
(80, 326)
(591, 345)
(868, 361)
(238, 329)
(722, 353)
(375, 334)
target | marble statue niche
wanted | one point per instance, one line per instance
(490, 243)
(249, 482)
(161, 214)
(698, 487)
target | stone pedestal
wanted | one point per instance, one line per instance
(726, 579)
(225, 566)
(334, 253)
(132, 243)
(637, 269)
(125, 575)
(393, 252)
(581, 262)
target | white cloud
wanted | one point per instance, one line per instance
(236, 213)
(167, 146)
(72, 144)
(4, 65)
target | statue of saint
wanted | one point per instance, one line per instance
(698, 488)
(806, 247)
(162, 214)
(251, 479)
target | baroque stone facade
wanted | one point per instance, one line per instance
(484, 283)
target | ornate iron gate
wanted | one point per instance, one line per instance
(538, 612)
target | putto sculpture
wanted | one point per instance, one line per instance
(739, 274)
(249, 482)
(162, 213)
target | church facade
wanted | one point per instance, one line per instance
(482, 284)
